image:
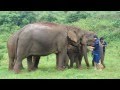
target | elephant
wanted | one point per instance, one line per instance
(11, 47)
(42, 40)
(76, 53)
(39, 46)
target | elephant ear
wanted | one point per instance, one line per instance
(72, 36)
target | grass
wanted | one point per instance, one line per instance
(47, 68)
(104, 24)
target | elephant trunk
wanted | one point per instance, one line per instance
(84, 47)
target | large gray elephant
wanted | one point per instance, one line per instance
(44, 38)
(41, 39)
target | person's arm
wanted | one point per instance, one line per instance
(90, 48)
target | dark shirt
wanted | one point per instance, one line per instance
(96, 46)
(104, 44)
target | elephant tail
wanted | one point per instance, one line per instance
(16, 43)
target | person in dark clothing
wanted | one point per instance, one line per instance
(96, 53)
(104, 46)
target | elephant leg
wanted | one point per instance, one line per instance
(87, 64)
(77, 63)
(35, 60)
(18, 64)
(29, 63)
(21, 65)
(61, 57)
(56, 60)
(11, 63)
(66, 61)
(84, 48)
(71, 61)
(80, 60)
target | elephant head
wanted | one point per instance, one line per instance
(87, 40)
(74, 35)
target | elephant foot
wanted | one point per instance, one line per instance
(30, 69)
(88, 67)
(64, 66)
(35, 68)
(80, 68)
(70, 67)
(60, 69)
(16, 71)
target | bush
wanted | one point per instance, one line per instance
(48, 17)
(75, 16)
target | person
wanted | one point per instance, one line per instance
(104, 44)
(96, 54)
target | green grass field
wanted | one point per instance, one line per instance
(47, 68)
(104, 23)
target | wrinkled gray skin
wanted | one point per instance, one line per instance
(41, 40)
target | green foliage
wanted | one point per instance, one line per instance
(75, 16)
(48, 17)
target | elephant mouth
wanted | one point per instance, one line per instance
(74, 44)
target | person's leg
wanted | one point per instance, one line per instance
(94, 61)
